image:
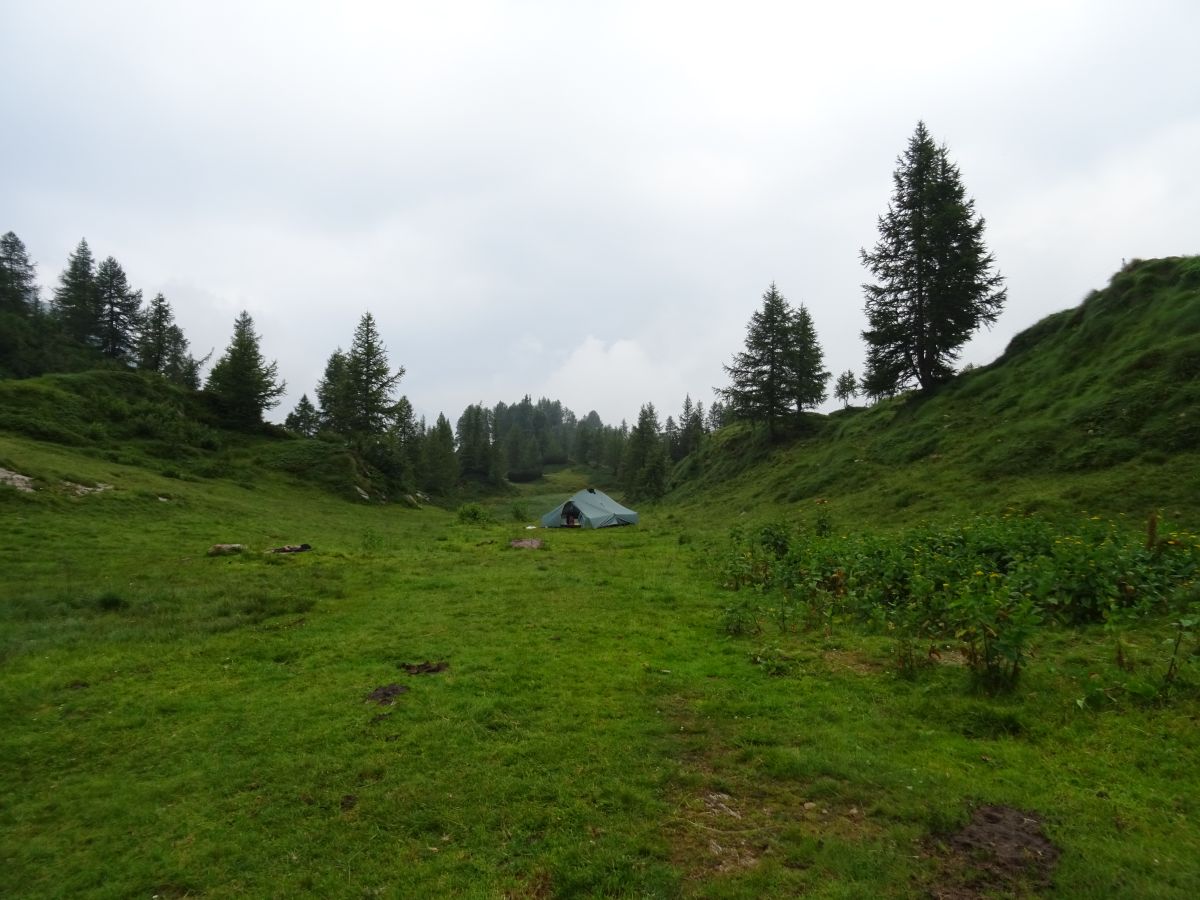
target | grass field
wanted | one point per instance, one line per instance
(179, 725)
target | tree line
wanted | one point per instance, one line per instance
(933, 286)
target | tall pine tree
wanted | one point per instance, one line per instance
(242, 384)
(935, 283)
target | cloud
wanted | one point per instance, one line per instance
(521, 193)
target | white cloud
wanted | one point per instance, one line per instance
(497, 181)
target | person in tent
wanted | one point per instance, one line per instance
(570, 515)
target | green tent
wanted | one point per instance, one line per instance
(589, 509)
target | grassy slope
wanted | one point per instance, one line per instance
(1092, 410)
(178, 725)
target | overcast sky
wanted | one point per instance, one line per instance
(583, 201)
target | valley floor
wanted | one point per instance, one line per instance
(178, 725)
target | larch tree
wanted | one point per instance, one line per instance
(119, 310)
(934, 278)
(845, 388)
(242, 384)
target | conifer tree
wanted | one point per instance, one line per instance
(644, 467)
(333, 395)
(162, 347)
(846, 387)
(370, 382)
(808, 373)
(119, 309)
(439, 465)
(304, 419)
(75, 302)
(18, 277)
(242, 384)
(780, 372)
(476, 448)
(935, 283)
(406, 436)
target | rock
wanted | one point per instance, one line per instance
(17, 480)
(225, 549)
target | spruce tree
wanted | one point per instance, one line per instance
(935, 283)
(780, 372)
(474, 436)
(18, 277)
(119, 310)
(439, 465)
(75, 303)
(304, 419)
(645, 464)
(162, 347)
(808, 373)
(370, 382)
(334, 402)
(242, 384)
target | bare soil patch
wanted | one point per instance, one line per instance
(528, 544)
(385, 695)
(1001, 851)
(425, 668)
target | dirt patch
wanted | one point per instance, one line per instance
(385, 695)
(425, 668)
(348, 802)
(16, 479)
(1002, 850)
(721, 839)
(528, 544)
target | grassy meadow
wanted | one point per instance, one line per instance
(178, 725)
(944, 646)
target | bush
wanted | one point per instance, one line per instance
(473, 514)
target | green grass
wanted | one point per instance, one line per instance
(1092, 410)
(185, 725)
(178, 725)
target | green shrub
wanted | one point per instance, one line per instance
(473, 514)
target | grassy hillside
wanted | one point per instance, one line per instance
(1095, 409)
(139, 419)
(800, 705)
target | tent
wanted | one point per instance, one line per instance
(589, 509)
